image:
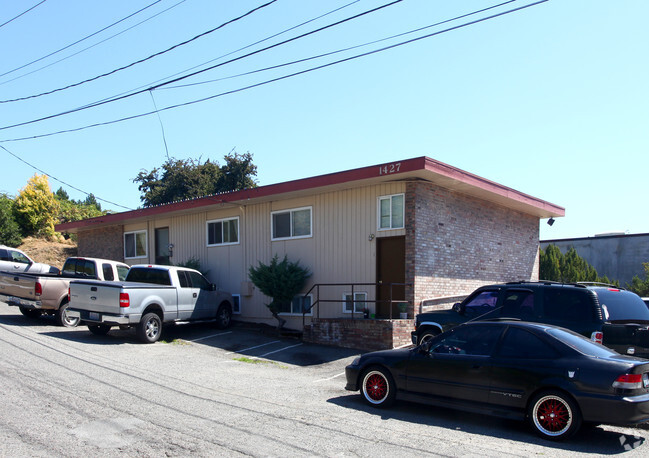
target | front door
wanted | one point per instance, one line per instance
(391, 268)
(162, 252)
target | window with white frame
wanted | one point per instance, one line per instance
(298, 305)
(291, 224)
(391, 212)
(135, 244)
(223, 232)
(236, 306)
(356, 302)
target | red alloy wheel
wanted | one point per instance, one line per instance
(376, 386)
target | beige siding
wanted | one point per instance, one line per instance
(339, 250)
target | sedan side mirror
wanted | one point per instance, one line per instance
(457, 307)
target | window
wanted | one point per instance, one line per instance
(80, 268)
(17, 256)
(483, 302)
(291, 224)
(148, 275)
(298, 305)
(223, 232)
(468, 340)
(236, 306)
(562, 304)
(357, 303)
(107, 269)
(391, 215)
(122, 271)
(135, 244)
(519, 343)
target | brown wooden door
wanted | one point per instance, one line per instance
(391, 268)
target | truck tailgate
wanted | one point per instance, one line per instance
(95, 296)
(19, 285)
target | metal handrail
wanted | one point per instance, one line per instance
(317, 302)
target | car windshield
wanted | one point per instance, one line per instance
(580, 343)
(622, 305)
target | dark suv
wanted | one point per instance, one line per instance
(615, 317)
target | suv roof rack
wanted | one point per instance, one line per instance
(545, 282)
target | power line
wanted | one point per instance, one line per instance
(92, 46)
(122, 97)
(61, 181)
(140, 61)
(79, 41)
(263, 83)
(24, 12)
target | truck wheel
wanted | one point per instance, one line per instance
(223, 316)
(149, 328)
(426, 335)
(99, 329)
(63, 318)
(29, 313)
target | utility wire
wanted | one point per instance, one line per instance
(103, 75)
(88, 47)
(24, 12)
(115, 99)
(61, 181)
(128, 118)
(79, 41)
(338, 51)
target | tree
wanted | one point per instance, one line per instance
(568, 267)
(281, 281)
(35, 207)
(640, 286)
(179, 179)
(9, 230)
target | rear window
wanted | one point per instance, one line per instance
(622, 305)
(149, 275)
(80, 268)
(580, 343)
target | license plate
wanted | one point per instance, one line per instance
(93, 316)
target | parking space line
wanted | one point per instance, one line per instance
(213, 335)
(330, 378)
(252, 348)
(281, 349)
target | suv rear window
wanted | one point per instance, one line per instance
(622, 305)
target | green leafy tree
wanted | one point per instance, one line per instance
(568, 267)
(10, 234)
(179, 179)
(281, 281)
(76, 210)
(638, 285)
(35, 208)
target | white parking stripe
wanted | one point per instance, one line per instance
(330, 378)
(281, 349)
(209, 337)
(252, 348)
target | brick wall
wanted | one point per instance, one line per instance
(359, 334)
(105, 243)
(456, 243)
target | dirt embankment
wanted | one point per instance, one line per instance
(52, 253)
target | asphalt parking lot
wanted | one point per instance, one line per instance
(205, 392)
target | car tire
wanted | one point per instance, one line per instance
(426, 335)
(377, 387)
(554, 415)
(223, 316)
(99, 329)
(30, 313)
(63, 319)
(149, 328)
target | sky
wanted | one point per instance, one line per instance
(550, 100)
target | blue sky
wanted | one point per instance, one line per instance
(550, 100)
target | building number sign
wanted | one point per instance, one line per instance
(389, 168)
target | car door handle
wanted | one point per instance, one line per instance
(194, 295)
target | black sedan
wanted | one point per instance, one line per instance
(555, 378)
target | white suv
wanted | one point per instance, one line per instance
(14, 260)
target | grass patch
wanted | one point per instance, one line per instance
(245, 359)
(176, 342)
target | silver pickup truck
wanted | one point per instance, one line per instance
(38, 293)
(149, 297)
